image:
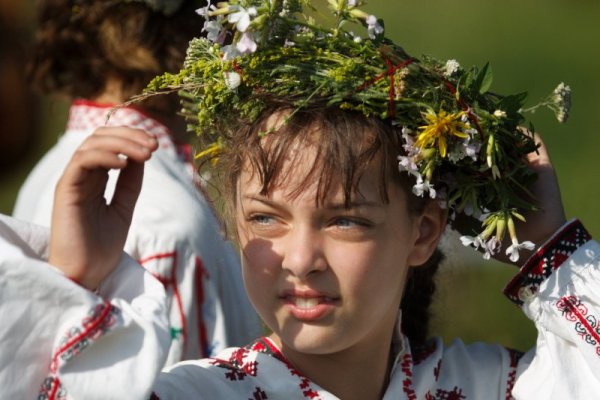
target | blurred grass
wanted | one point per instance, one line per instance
(532, 45)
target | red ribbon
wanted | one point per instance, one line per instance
(464, 106)
(391, 69)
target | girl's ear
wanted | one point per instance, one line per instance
(429, 226)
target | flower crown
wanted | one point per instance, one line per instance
(463, 144)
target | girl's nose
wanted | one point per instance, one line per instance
(304, 252)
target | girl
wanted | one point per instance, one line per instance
(334, 244)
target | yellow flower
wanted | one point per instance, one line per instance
(212, 152)
(441, 126)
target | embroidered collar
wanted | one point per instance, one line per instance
(86, 115)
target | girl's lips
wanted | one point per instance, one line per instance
(308, 305)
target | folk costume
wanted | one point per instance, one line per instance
(462, 146)
(174, 234)
(65, 342)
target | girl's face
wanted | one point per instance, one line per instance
(326, 278)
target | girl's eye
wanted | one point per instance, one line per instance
(345, 222)
(351, 228)
(349, 223)
(265, 225)
(261, 219)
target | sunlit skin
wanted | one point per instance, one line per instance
(328, 280)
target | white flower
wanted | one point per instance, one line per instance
(474, 241)
(408, 164)
(472, 149)
(451, 67)
(407, 132)
(232, 80)
(562, 101)
(246, 44)
(351, 3)
(204, 11)
(373, 27)
(500, 114)
(423, 186)
(241, 18)
(229, 52)
(513, 250)
(491, 247)
(409, 145)
(456, 154)
(214, 28)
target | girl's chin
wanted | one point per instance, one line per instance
(315, 340)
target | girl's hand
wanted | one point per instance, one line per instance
(542, 224)
(87, 234)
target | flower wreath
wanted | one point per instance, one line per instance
(463, 144)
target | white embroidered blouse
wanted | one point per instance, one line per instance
(174, 234)
(107, 345)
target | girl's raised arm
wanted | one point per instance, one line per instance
(88, 235)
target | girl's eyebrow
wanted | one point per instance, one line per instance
(334, 206)
(352, 204)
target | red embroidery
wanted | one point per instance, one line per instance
(87, 115)
(52, 389)
(237, 367)
(305, 383)
(259, 394)
(515, 356)
(170, 281)
(547, 259)
(406, 366)
(440, 394)
(200, 273)
(586, 326)
(423, 352)
(100, 319)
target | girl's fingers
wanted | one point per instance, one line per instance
(108, 148)
(129, 185)
(137, 135)
(120, 145)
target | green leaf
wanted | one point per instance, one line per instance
(512, 104)
(484, 78)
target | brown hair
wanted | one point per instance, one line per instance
(352, 142)
(80, 45)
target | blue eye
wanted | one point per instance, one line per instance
(261, 219)
(345, 222)
(351, 222)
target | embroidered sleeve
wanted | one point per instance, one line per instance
(545, 261)
(65, 342)
(558, 289)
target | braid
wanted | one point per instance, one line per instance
(417, 299)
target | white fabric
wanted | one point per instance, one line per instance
(565, 364)
(42, 311)
(174, 235)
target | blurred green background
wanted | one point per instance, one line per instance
(532, 45)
